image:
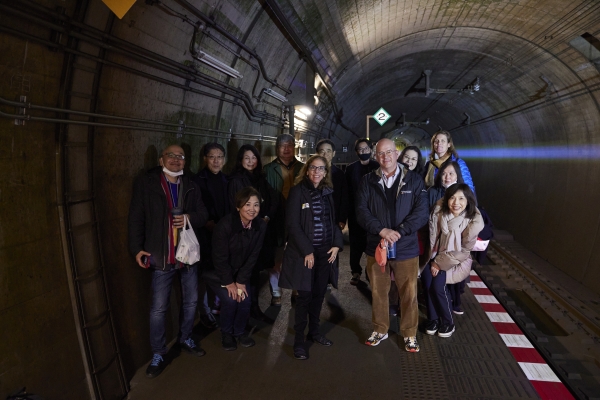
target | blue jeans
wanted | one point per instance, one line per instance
(234, 315)
(161, 298)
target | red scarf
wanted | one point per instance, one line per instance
(171, 245)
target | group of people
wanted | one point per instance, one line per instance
(287, 218)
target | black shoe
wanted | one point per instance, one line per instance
(446, 330)
(209, 321)
(246, 341)
(228, 342)
(157, 365)
(320, 339)
(191, 347)
(355, 279)
(431, 327)
(300, 352)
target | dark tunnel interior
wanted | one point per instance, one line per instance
(88, 100)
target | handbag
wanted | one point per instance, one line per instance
(188, 250)
(481, 245)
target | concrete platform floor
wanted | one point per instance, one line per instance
(473, 363)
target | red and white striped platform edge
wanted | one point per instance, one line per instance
(539, 373)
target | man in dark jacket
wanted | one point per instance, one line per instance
(354, 174)
(392, 205)
(213, 187)
(326, 148)
(154, 228)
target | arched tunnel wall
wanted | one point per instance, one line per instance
(548, 204)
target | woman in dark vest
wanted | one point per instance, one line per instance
(310, 257)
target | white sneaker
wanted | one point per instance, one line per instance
(376, 338)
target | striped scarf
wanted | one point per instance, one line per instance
(170, 204)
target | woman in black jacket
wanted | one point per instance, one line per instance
(310, 256)
(237, 240)
(248, 172)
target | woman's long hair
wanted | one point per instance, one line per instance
(326, 181)
(451, 149)
(471, 208)
(239, 168)
(448, 163)
(420, 167)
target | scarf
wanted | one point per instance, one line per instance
(434, 165)
(451, 229)
(171, 240)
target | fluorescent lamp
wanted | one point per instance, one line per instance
(275, 95)
(217, 64)
(305, 110)
(300, 115)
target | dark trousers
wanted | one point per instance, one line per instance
(234, 315)
(309, 303)
(437, 296)
(456, 289)
(162, 281)
(358, 244)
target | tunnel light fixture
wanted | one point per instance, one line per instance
(276, 95)
(217, 64)
(305, 110)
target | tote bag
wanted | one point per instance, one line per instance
(188, 250)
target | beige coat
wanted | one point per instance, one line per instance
(457, 263)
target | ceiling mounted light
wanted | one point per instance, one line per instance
(217, 64)
(305, 110)
(276, 95)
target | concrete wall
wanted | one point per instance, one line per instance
(39, 348)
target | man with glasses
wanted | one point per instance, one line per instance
(161, 198)
(280, 174)
(213, 186)
(392, 205)
(326, 148)
(354, 174)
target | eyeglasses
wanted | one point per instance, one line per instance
(363, 150)
(317, 168)
(382, 154)
(212, 158)
(325, 151)
(176, 156)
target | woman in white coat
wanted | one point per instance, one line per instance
(454, 225)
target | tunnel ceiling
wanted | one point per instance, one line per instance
(373, 52)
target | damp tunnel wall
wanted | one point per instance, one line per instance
(546, 201)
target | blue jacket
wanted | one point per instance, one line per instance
(412, 211)
(464, 170)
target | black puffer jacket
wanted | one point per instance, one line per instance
(300, 227)
(412, 211)
(148, 221)
(235, 249)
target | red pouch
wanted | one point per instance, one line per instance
(381, 254)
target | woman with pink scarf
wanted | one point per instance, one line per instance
(454, 225)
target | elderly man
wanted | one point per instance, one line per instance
(392, 205)
(153, 236)
(280, 174)
(213, 187)
(326, 148)
(356, 233)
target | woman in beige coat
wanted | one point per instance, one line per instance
(454, 225)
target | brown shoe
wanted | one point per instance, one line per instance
(276, 301)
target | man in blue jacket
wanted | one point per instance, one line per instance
(392, 205)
